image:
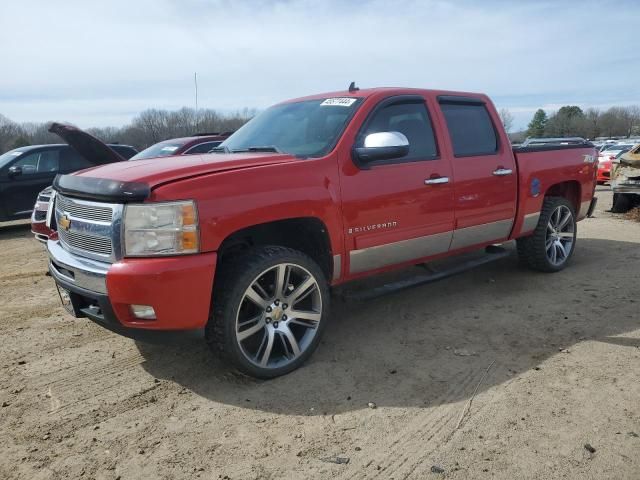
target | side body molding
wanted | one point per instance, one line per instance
(372, 258)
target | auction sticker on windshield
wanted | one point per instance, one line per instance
(339, 102)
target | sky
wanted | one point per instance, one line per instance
(101, 63)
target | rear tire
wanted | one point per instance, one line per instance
(270, 308)
(550, 246)
(622, 203)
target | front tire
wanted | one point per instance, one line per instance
(270, 308)
(551, 245)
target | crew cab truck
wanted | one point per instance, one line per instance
(246, 242)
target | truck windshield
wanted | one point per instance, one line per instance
(310, 128)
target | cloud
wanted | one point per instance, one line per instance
(99, 63)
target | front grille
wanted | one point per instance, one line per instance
(90, 229)
(88, 243)
(84, 211)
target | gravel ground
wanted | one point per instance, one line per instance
(554, 361)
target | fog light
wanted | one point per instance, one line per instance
(145, 312)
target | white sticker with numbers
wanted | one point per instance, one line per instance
(338, 102)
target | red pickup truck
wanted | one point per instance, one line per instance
(313, 192)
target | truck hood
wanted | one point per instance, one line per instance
(157, 171)
(132, 181)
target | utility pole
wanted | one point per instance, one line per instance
(195, 81)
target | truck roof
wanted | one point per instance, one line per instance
(385, 91)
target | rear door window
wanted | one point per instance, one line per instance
(470, 128)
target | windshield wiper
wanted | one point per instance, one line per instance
(259, 148)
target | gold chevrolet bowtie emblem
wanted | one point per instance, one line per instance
(64, 222)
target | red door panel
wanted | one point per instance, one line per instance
(391, 216)
(486, 180)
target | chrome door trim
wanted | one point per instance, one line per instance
(394, 253)
(530, 222)
(477, 234)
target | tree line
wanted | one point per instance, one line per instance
(572, 121)
(149, 127)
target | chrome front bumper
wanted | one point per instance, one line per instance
(68, 268)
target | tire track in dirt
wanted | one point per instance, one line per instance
(9, 277)
(76, 375)
(421, 430)
(430, 423)
(417, 450)
(22, 315)
(66, 426)
(425, 462)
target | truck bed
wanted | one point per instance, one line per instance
(540, 167)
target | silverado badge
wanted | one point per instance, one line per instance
(64, 222)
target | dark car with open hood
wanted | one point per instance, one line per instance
(26, 171)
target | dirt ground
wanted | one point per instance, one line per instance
(555, 360)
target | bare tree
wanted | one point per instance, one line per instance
(507, 119)
(592, 120)
(630, 119)
(9, 133)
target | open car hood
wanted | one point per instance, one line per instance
(95, 151)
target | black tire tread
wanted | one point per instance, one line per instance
(231, 276)
(531, 249)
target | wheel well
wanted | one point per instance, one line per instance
(306, 234)
(569, 190)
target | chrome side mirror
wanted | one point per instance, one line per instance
(382, 146)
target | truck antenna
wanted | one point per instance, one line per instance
(353, 88)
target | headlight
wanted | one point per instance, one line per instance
(160, 229)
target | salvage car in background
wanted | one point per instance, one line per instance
(625, 181)
(25, 171)
(200, 143)
(607, 157)
(39, 216)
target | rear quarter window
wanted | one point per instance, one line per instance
(470, 128)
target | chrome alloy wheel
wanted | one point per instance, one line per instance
(560, 235)
(278, 316)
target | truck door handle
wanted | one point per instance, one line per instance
(436, 180)
(501, 172)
